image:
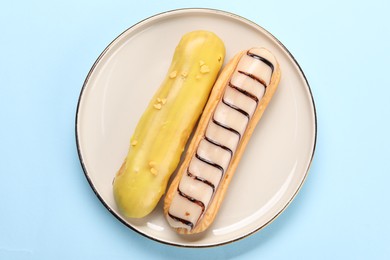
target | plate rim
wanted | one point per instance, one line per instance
(133, 27)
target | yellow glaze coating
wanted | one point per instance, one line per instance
(164, 128)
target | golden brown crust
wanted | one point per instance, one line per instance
(214, 99)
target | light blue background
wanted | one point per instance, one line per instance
(47, 208)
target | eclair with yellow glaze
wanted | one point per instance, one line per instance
(164, 128)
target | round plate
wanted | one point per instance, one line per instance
(129, 71)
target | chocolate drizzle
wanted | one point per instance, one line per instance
(192, 199)
(200, 179)
(257, 57)
(236, 108)
(210, 163)
(226, 127)
(253, 77)
(185, 222)
(219, 145)
(246, 93)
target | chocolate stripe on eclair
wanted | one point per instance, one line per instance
(236, 108)
(226, 127)
(185, 222)
(255, 56)
(253, 77)
(193, 200)
(246, 93)
(210, 163)
(219, 145)
(200, 179)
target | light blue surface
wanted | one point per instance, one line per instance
(48, 210)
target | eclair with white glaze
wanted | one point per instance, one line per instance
(236, 104)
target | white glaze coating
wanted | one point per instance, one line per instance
(214, 154)
(184, 209)
(230, 118)
(205, 171)
(245, 103)
(197, 190)
(222, 136)
(247, 86)
(255, 67)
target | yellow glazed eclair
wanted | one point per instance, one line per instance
(236, 104)
(164, 128)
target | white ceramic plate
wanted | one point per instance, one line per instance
(124, 78)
